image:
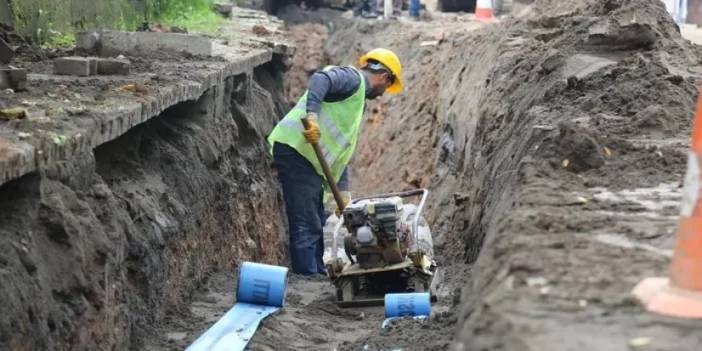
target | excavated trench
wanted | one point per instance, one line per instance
(553, 144)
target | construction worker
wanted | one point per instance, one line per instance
(334, 105)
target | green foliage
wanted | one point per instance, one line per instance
(53, 22)
(195, 15)
(60, 40)
(41, 19)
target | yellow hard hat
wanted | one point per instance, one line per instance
(389, 60)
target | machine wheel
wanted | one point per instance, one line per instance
(346, 291)
(418, 284)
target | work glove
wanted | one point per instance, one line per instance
(312, 133)
(346, 199)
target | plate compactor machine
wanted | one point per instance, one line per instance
(388, 246)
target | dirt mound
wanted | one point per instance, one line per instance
(309, 39)
(578, 149)
(434, 333)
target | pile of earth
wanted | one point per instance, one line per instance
(524, 130)
(309, 39)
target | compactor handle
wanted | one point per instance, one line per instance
(326, 170)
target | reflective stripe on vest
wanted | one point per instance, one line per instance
(339, 123)
(327, 122)
(295, 125)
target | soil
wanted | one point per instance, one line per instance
(311, 320)
(309, 39)
(554, 143)
(94, 250)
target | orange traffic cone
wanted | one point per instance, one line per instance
(681, 295)
(483, 11)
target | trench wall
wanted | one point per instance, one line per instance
(95, 249)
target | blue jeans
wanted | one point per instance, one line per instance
(414, 8)
(302, 193)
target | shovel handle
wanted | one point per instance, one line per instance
(326, 169)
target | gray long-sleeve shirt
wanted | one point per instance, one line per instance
(336, 84)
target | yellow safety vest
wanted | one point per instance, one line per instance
(339, 123)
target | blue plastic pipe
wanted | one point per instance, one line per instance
(262, 284)
(415, 305)
(407, 305)
(261, 291)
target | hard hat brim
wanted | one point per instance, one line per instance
(396, 87)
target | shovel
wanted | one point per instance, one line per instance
(326, 170)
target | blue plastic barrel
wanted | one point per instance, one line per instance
(262, 284)
(407, 305)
